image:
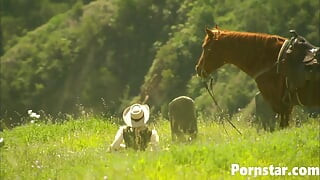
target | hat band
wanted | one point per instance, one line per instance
(138, 119)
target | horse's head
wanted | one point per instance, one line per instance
(212, 54)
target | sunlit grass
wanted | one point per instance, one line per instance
(77, 149)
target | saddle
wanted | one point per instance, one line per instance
(300, 60)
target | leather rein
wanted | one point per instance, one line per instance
(210, 84)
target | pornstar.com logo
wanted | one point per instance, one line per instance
(274, 171)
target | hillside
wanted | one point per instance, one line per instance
(88, 55)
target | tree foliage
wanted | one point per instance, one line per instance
(105, 54)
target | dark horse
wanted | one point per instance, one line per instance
(255, 54)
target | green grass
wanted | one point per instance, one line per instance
(77, 149)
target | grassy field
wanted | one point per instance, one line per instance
(77, 149)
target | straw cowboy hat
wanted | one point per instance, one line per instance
(136, 115)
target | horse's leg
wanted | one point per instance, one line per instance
(284, 118)
(272, 123)
(259, 124)
(265, 123)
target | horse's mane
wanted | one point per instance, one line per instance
(246, 35)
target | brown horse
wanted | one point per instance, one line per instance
(255, 54)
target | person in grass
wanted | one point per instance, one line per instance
(135, 133)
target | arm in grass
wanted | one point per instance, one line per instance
(116, 144)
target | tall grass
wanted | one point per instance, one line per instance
(77, 149)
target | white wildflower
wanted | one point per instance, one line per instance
(35, 115)
(29, 111)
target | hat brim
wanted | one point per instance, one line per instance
(132, 123)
